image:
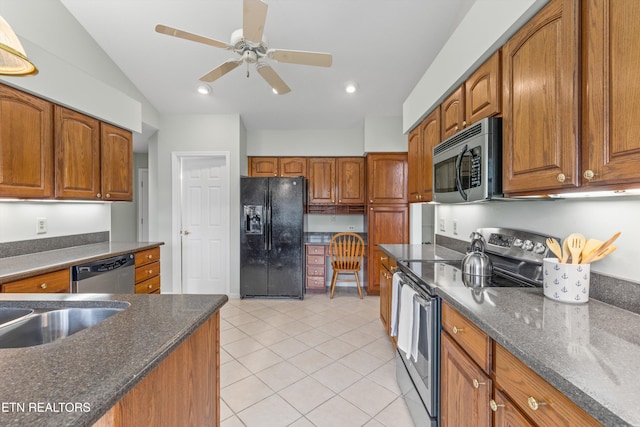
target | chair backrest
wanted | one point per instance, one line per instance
(346, 251)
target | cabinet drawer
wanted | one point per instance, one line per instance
(316, 249)
(315, 259)
(315, 270)
(145, 257)
(147, 271)
(151, 286)
(315, 282)
(527, 390)
(467, 335)
(57, 281)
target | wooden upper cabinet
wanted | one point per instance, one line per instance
(263, 166)
(387, 178)
(116, 163)
(540, 102)
(292, 166)
(611, 94)
(351, 180)
(77, 155)
(452, 111)
(420, 158)
(26, 145)
(322, 185)
(482, 91)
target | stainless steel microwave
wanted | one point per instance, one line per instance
(467, 167)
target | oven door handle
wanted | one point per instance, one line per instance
(464, 195)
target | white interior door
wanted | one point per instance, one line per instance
(204, 225)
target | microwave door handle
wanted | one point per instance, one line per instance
(464, 195)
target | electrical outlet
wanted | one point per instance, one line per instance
(41, 225)
(441, 226)
(455, 226)
(351, 227)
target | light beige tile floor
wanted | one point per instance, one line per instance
(315, 362)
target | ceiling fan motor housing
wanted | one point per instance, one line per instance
(244, 47)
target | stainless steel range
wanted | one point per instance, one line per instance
(516, 256)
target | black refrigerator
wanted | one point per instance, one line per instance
(272, 237)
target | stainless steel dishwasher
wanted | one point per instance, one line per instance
(115, 275)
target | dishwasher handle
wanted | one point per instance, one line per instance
(94, 268)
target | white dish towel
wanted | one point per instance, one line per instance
(406, 321)
(395, 300)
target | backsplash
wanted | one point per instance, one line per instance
(31, 246)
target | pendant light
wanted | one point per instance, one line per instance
(13, 59)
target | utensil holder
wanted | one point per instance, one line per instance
(566, 282)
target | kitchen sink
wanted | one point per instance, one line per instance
(38, 327)
(9, 314)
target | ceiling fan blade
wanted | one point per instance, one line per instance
(163, 29)
(301, 57)
(273, 79)
(254, 15)
(221, 70)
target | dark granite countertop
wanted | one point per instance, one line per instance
(19, 267)
(97, 366)
(590, 352)
(424, 252)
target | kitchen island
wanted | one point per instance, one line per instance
(116, 368)
(589, 352)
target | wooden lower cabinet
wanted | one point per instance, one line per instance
(54, 282)
(505, 413)
(388, 266)
(466, 389)
(385, 224)
(183, 390)
(315, 268)
(148, 271)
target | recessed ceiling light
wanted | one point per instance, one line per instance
(204, 89)
(351, 87)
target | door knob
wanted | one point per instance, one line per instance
(186, 232)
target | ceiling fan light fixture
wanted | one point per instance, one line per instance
(13, 59)
(351, 87)
(204, 89)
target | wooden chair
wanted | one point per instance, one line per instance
(346, 251)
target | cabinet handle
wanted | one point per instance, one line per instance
(456, 129)
(150, 286)
(108, 195)
(99, 195)
(394, 269)
(477, 384)
(494, 406)
(370, 201)
(561, 178)
(150, 272)
(534, 404)
(339, 200)
(455, 330)
(43, 286)
(384, 258)
(370, 209)
(150, 256)
(464, 123)
(588, 174)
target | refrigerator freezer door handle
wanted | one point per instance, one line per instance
(269, 224)
(265, 233)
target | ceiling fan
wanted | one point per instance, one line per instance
(250, 44)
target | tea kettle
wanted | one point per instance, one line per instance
(477, 267)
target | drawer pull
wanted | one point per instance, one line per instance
(149, 271)
(494, 406)
(150, 286)
(150, 256)
(534, 404)
(43, 286)
(477, 384)
(384, 258)
(457, 330)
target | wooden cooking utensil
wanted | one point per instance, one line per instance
(555, 247)
(565, 250)
(576, 243)
(601, 249)
(589, 246)
(606, 252)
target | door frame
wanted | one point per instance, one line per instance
(143, 187)
(176, 209)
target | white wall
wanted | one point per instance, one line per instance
(306, 142)
(193, 133)
(384, 134)
(594, 218)
(18, 219)
(487, 25)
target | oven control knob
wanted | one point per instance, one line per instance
(539, 248)
(527, 245)
(517, 243)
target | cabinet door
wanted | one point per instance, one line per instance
(506, 414)
(385, 298)
(292, 166)
(263, 166)
(611, 51)
(116, 163)
(482, 91)
(386, 224)
(414, 164)
(466, 390)
(322, 185)
(77, 151)
(387, 178)
(26, 145)
(452, 111)
(351, 180)
(540, 102)
(430, 135)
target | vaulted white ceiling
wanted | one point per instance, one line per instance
(383, 45)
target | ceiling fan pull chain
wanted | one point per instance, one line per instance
(247, 70)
